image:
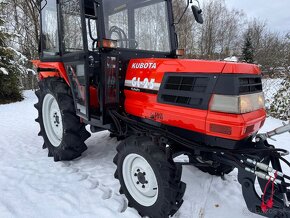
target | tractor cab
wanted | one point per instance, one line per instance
(95, 40)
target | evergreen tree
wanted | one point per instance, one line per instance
(248, 49)
(9, 68)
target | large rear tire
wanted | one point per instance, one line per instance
(150, 181)
(61, 129)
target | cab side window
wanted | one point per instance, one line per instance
(72, 26)
(49, 36)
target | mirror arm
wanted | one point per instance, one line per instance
(90, 28)
(39, 2)
(198, 3)
(187, 6)
(91, 33)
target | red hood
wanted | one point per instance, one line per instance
(192, 66)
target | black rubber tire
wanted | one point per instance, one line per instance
(74, 132)
(218, 171)
(168, 174)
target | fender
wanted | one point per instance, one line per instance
(57, 69)
(50, 69)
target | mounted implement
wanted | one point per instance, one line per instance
(114, 65)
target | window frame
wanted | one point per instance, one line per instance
(42, 52)
(173, 43)
(83, 29)
(167, 22)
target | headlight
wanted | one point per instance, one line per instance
(237, 104)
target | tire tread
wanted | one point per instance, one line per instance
(169, 172)
(75, 133)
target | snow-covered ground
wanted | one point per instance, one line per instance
(33, 186)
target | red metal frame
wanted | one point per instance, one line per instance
(58, 67)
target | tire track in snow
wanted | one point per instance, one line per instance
(111, 199)
(109, 196)
(93, 181)
(202, 210)
(197, 193)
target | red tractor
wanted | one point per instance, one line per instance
(114, 65)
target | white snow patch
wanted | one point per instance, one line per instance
(31, 71)
(232, 59)
(4, 71)
(32, 185)
(20, 58)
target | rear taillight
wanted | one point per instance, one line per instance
(237, 104)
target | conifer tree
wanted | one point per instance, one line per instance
(248, 49)
(9, 69)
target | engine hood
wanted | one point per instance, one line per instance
(191, 66)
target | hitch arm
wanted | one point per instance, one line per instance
(278, 131)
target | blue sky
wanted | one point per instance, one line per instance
(275, 12)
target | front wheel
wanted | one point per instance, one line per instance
(149, 180)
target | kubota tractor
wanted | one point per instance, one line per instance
(113, 65)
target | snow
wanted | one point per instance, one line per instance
(32, 185)
(4, 71)
(232, 59)
(31, 71)
(20, 58)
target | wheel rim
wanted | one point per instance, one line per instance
(52, 120)
(140, 180)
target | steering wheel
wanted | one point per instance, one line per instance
(122, 37)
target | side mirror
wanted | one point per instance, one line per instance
(197, 12)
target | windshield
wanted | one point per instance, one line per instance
(141, 25)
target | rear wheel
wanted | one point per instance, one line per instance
(149, 180)
(61, 129)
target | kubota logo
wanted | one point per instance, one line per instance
(144, 66)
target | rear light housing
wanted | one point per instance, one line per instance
(180, 52)
(227, 130)
(237, 104)
(108, 43)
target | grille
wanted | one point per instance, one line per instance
(184, 90)
(250, 85)
(194, 84)
(195, 90)
(181, 100)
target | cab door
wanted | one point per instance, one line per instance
(75, 54)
